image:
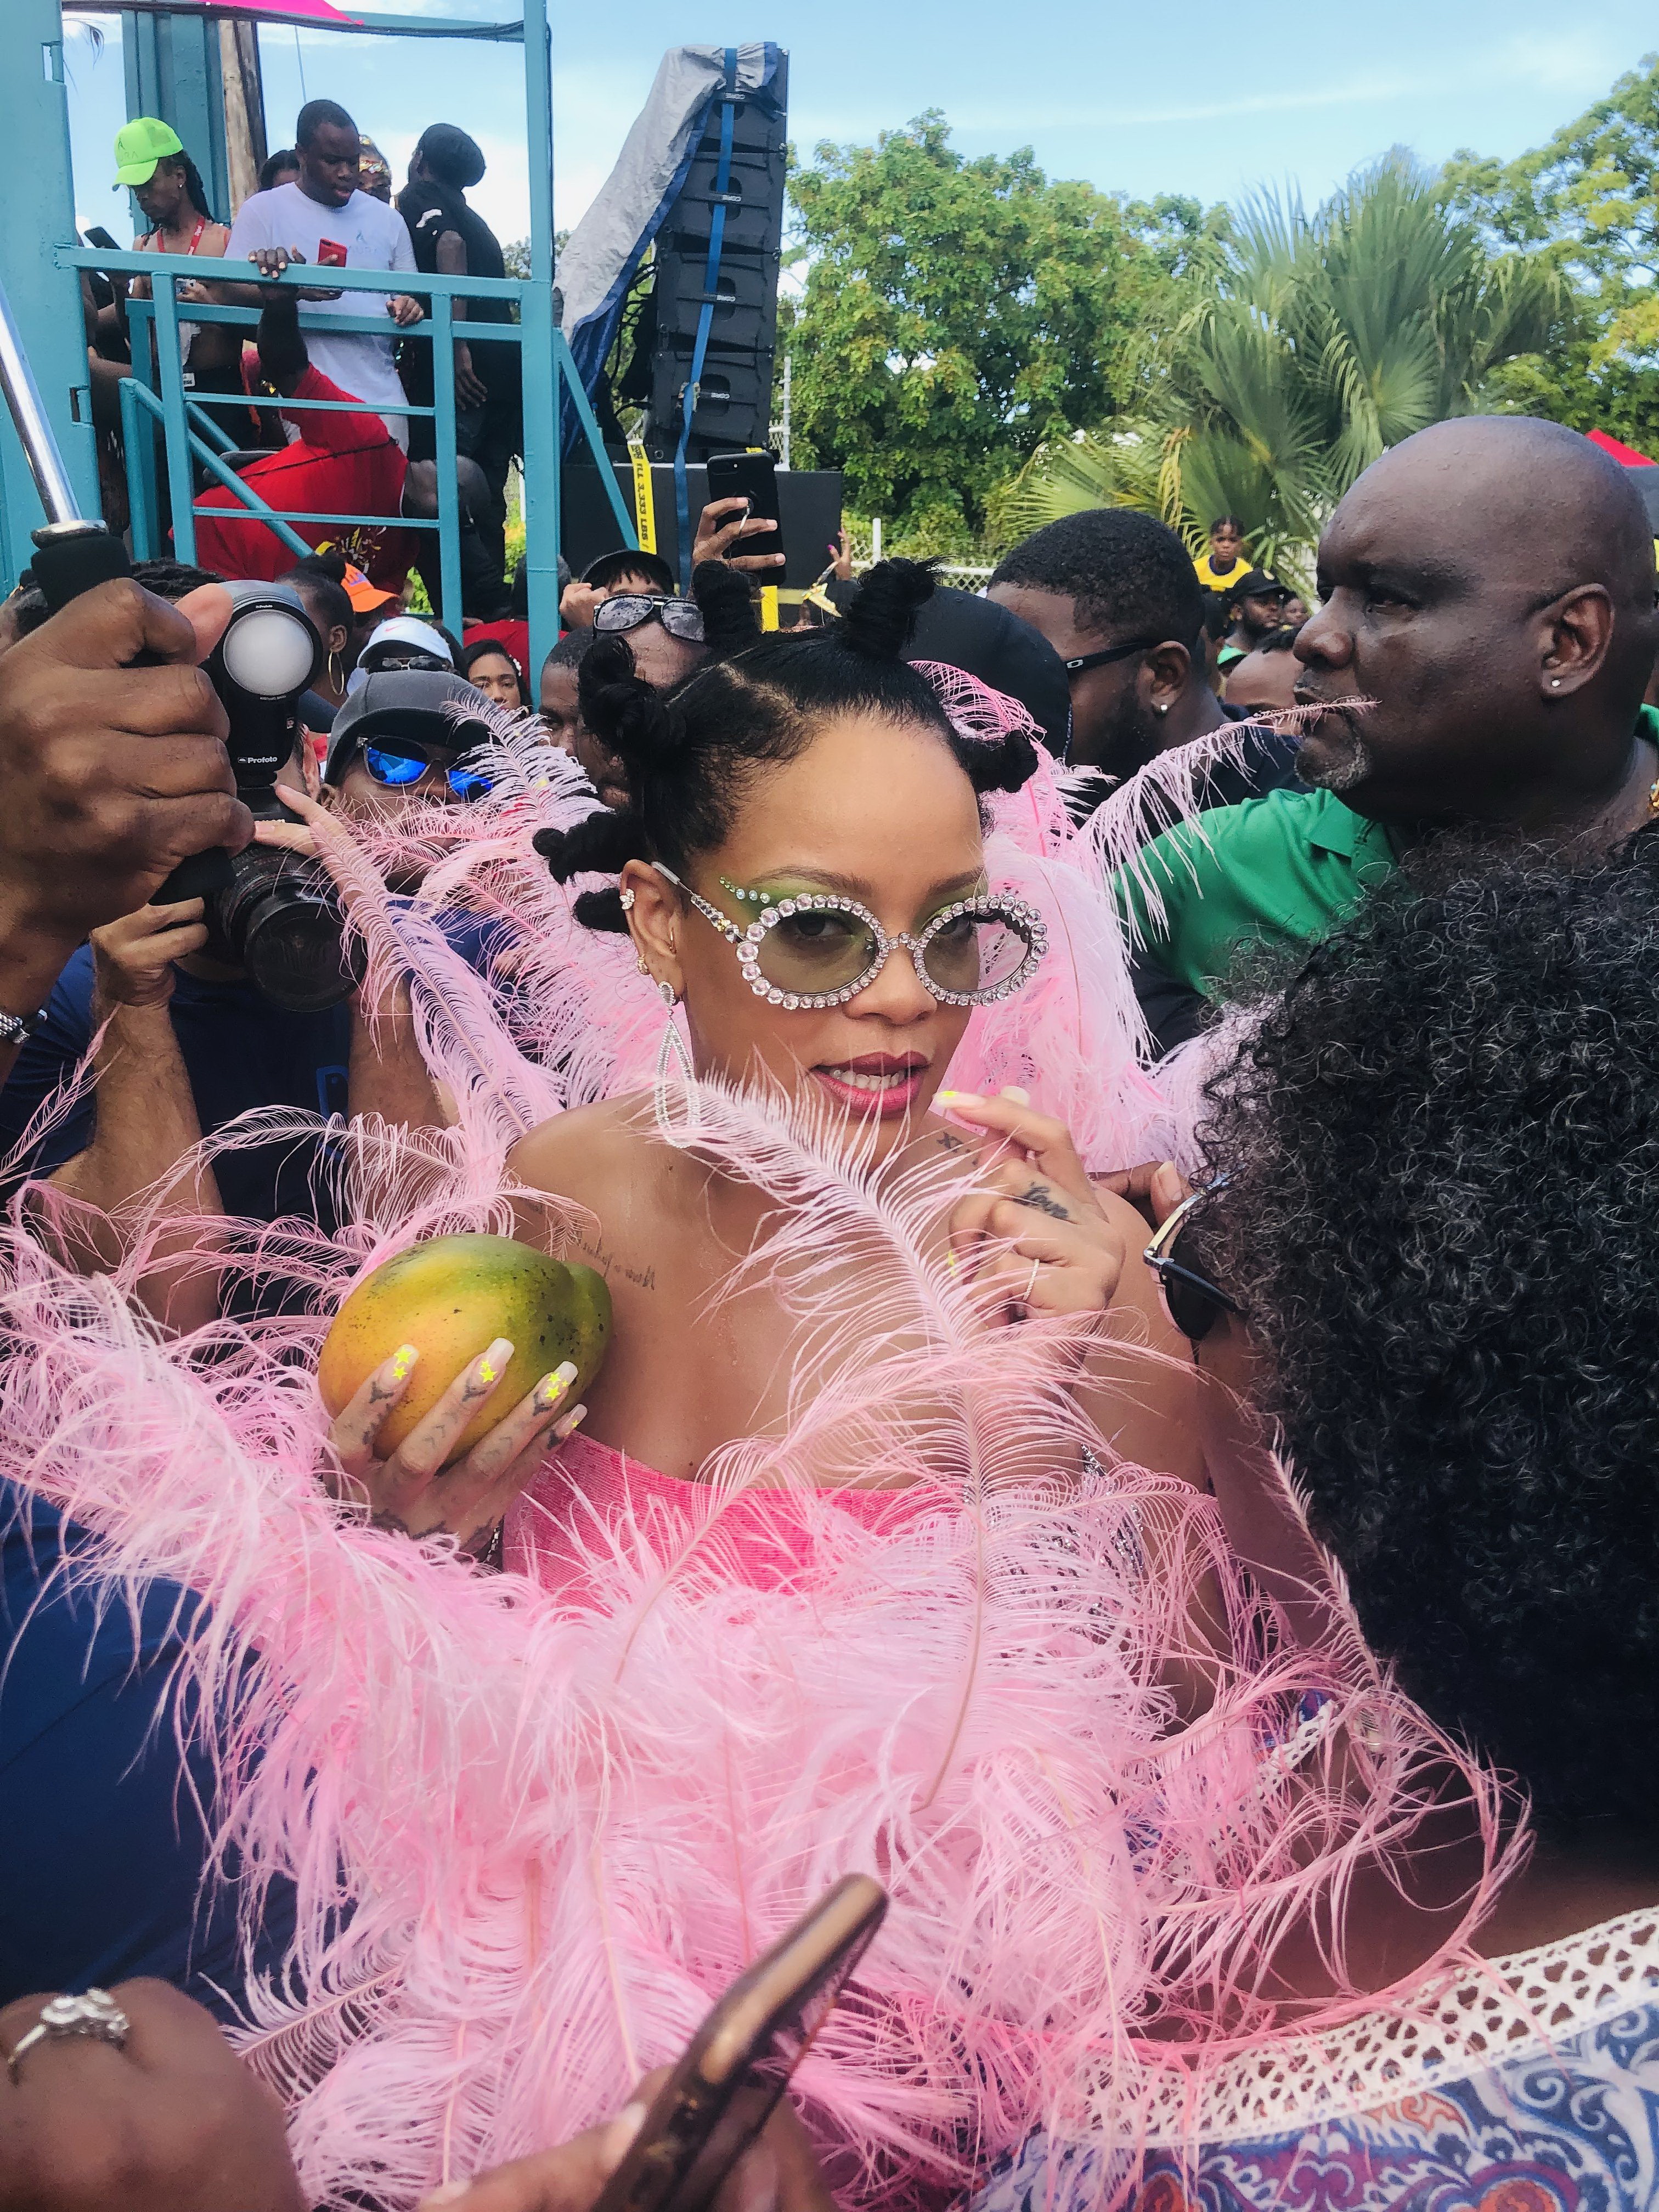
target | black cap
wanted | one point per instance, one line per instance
(423, 703)
(1259, 585)
(603, 573)
(983, 638)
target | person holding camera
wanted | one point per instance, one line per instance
(183, 1042)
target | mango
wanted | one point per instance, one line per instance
(452, 1297)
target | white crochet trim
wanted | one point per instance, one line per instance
(1507, 2010)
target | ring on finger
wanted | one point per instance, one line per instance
(1026, 1299)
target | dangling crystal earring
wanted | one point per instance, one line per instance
(672, 1051)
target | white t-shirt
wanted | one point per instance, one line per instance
(374, 236)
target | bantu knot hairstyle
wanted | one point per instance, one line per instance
(690, 755)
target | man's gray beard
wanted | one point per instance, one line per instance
(1340, 774)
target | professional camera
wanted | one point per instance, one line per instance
(278, 916)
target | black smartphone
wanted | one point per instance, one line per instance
(735, 2068)
(753, 476)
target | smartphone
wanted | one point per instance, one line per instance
(735, 2068)
(330, 254)
(753, 476)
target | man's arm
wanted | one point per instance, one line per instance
(112, 775)
(146, 1123)
(386, 1074)
(470, 389)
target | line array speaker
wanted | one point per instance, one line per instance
(734, 400)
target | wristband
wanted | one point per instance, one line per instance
(16, 1028)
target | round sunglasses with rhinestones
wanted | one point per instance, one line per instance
(818, 948)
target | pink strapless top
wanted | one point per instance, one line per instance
(588, 1491)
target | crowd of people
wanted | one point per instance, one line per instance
(327, 202)
(1112, 1114)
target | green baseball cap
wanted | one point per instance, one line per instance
(139, 145)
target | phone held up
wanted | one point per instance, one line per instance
(736, 2067)
(753, 476)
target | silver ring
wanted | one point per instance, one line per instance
(1030, 1287)
(96, 2016)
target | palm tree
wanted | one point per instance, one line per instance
(1322, 340)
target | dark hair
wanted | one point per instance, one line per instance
(286, 157)
(1278, 640)
(571, 649)
(1124, 573)
(455, 159)
(168, 580)
(193, 185)
(691, 754)
(1226, 522)
(320, 115)
(323, 576)
(1443, 1139)
(480, 647)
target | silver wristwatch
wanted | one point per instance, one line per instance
(15, 1028)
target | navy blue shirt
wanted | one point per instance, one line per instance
(238, 1050)
(103, 1849)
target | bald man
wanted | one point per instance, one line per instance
(1487, 633)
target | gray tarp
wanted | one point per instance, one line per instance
(609, 243)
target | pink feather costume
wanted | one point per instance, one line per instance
(565, 1818)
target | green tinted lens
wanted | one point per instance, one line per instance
(823, 949)
(977, 951)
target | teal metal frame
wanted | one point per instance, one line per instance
(40, 259)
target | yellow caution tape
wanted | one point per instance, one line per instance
(644, 505)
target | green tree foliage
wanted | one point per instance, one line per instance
(1587, 204)
(1315, 340)
(957, 313)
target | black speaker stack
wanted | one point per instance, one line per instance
(734, 395)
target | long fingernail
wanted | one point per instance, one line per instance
(571, 1423)
(957, 1097)
(620, 2133)
(492, 1364)
(402, 1360)
(1017, 1092)
(552, 1387)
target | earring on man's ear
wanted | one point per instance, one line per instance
(1163, 705)
(1555, 684)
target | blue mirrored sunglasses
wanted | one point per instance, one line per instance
(397, 771)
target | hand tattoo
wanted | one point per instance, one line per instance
(1043, 1200)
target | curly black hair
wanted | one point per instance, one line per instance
(1443, 1137)
(690, 753)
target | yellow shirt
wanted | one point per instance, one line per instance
(1212, 582)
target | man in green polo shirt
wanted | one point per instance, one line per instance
(1487, 631)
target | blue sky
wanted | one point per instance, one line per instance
(1207, 97)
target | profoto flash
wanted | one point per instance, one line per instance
(273, 913)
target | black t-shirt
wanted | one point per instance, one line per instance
(430, 210)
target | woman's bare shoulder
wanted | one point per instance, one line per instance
(584, 1153)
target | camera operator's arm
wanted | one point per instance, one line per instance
(112, 773)
(388, 1075)
(146, 1121)
(385, 1073)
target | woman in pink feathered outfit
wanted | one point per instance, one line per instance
(886, 1545)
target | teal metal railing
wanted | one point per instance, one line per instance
(41, 259)
(189, 434)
